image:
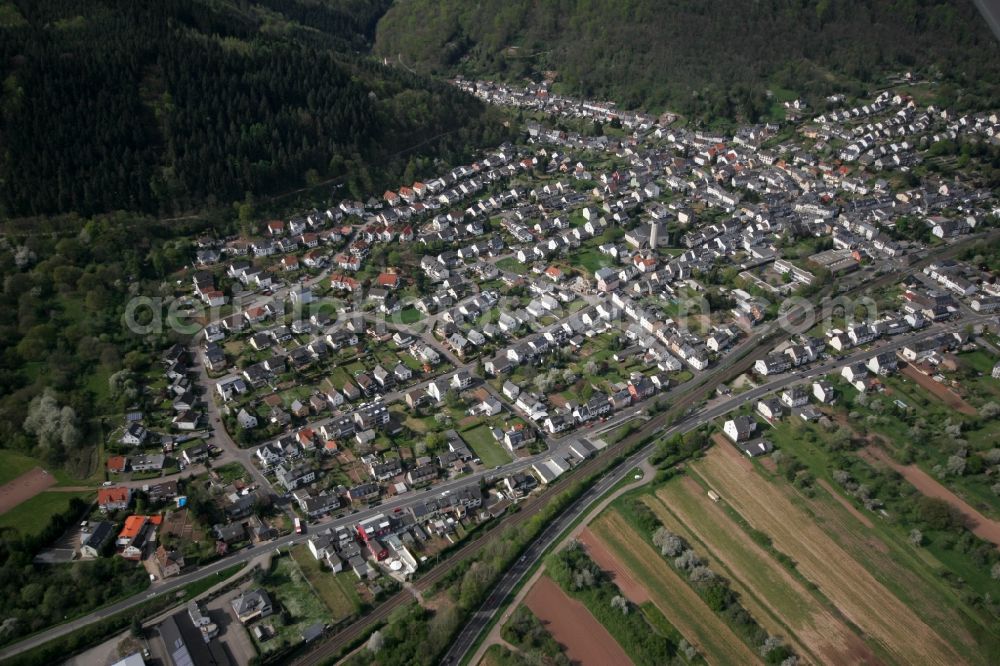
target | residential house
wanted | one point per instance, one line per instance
(772, 364)
(94, 536)
(883, 363)
(856, 374)
(252, 605)
(170, 561)
(295, 476)
(114, 499)
(740, 428)
(421, 475)
(195, 454)
(770, 408)
(364, 492)
(824, 392)
(794, 396)
(135, 435)
(246, 420)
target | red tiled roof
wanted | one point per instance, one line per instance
(388, 280)
(112, 495)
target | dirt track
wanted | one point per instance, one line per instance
(24, 488)
(940, 391)
(849, 585)
(586, 641)
(980, 525)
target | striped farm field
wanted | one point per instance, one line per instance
(680, 604)
(777, 599)
(849, 585)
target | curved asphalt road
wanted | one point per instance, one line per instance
(465, 641)
(737, 356)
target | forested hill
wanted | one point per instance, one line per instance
(172, 105)
(704, 58)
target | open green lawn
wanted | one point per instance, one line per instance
(487, 448)
(14, 464)
(231, 472)
(32, 516)
(291, 591)
(591, 259)
(339, 376)
(410, 315)
(336, 590)
(410, 362)
(512, 265)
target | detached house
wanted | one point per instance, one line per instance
(824, 392)
(298, 475)
(252, 605)
(883, 364)
(770, 409)
(794, 396)
(114, 499)
(740, 429)
(857, 375)
(135, 435)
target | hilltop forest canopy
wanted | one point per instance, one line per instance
(708, 59)
(175, 105)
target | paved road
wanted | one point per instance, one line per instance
(496, 600)
(741, 356)
(401, 502)
(220, 436)
(990, 9)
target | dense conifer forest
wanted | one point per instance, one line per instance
(171, 106)
(707, 60)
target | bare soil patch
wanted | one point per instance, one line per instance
(630, 587)
(979, 524)
(587, 642)
(849, 585)
(940, 391)
(24, 488)
(680, 604)
(767, 588)
(768, 464)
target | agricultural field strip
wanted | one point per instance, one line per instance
(817, 632)
(680, 604)
(854, 590)
(587, 642)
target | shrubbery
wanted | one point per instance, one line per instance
(581, 578)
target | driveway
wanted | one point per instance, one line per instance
(231, 633)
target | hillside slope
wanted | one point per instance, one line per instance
(176, 105)
(703, 58)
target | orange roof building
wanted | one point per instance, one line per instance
(117, 463)
(389, 280)
(110, 499)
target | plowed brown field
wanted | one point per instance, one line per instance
(587, 642)
(856, 593)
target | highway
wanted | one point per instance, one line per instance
(512, 576)
(735, 362)
(510, 580)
